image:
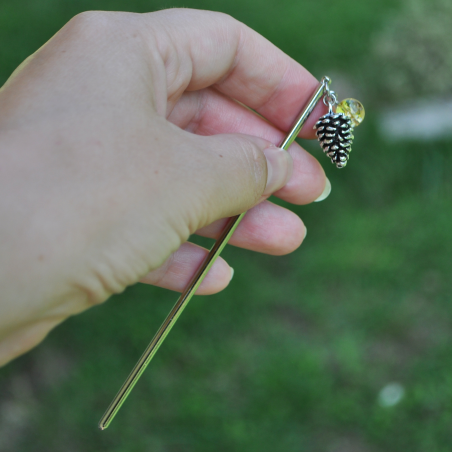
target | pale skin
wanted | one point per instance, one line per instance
(120, 138)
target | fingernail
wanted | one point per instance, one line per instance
(232, 273)
(326, 191)
(279, 169)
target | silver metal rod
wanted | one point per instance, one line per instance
(169, 322)
(186, 295)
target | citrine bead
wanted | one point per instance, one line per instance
(353, 109)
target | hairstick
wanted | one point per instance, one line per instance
(334, 132)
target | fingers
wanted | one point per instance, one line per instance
(181, 266)
(238, 61)
(208, 112)
(266, 228)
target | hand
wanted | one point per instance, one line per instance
(121, 137)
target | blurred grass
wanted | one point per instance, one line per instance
(293, 354)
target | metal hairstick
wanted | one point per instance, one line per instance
(140, 366)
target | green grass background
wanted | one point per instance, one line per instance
(292, 355)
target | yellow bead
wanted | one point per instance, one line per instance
(353, 109)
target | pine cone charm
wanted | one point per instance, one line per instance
(334, 132)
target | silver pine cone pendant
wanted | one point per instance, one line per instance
(335, 130)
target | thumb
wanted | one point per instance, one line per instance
(241, 171)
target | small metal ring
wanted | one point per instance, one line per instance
(330, 98)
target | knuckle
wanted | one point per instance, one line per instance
(252, 162)
(102, 280)
(230, 184)
(89, 20)
(227, 18)
(94, 24)
(247, 166)
(106, 278)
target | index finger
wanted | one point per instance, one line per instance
(238, 61)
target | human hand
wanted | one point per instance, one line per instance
(120, 138)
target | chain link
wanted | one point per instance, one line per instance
(329, 99)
